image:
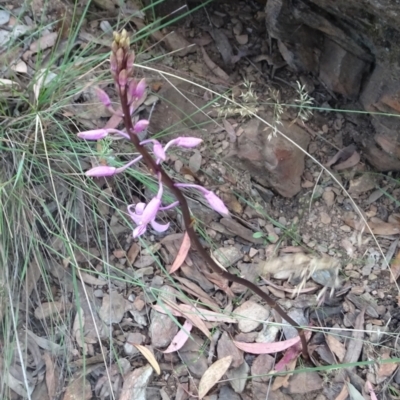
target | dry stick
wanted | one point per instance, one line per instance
(156, 168)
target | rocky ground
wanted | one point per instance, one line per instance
(312, 220)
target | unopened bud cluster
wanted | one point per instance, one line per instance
(142, 214)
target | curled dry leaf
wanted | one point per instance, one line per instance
(182, 253)
(266, 348)
(352, 161)
(214, 67)
(213, 374)
(51, 379)
(342, 155)
(90, 279)
(180, 339)
(46, 310)
(356, 344)
(149, 356)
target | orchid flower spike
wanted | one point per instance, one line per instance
(213, 200)
(146, 214)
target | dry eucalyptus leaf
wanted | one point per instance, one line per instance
(149, 356)
(90, 279)
(395, 268)
(78, 389)
(336, 347)
(214, 67)
(46, 310)
(213, 374)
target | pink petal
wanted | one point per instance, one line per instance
(141, 125)
(95, 134)
(139, 230)
(140, 208)
(140, 89)
(216, 203)
(159, 227)
(102, 170)
(151, 210)
(188, 142)
(103, 97)
(136, 217)
(158, 150)
(266, 348)
(180, 338)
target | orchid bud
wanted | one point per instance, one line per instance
(120, 57)
(116, 36)
(141, 125)
(122, 79)
(216, 203)
(129, 63)
(103, 97)
(114, 47)
(100, 171)
(95, 134)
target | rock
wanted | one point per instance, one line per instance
(251, 315)
(275, 163)
(135, 383)
(335, 42)
(341, 71)
(238, 377)
(162, 328)
(329, 197)
(382, 94)
(261, 366)
(296, 49)
(193, 357)
(297, 315)
(239, 230)
(226, 393)
(113, 308)
(227, 348)
(305, 382)
(325, 218)
(268, 334)
(227, 256)
(262, 391)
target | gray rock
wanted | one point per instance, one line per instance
(251, 315)
(193, 357)
(238, 377)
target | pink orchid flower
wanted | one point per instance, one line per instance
(146, 214)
